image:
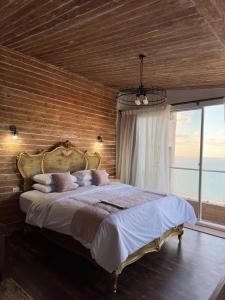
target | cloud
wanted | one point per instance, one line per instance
(196, 133)
(183, 138)
(184, 117)
(215, 138)
(188, 138)
(221, 132)
(214, 141)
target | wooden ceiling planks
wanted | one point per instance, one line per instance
(100, 39)
(214, 14)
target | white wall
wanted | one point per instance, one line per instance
(186, 95)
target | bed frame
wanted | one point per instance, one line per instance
(65, 157)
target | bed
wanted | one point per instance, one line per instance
(122, 237)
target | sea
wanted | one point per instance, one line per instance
(185, 183)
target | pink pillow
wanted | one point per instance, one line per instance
(100, 177)
(63, 182)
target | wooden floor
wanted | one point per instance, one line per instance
(208, 230)
(189, 271)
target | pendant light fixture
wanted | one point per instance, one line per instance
(142, 96)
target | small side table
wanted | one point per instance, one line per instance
(3, 234)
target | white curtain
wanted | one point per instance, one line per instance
(127, 134)
(145, 149)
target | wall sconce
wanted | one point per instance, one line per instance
(100, 139)
(13, 131)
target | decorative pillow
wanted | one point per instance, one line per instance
(83, 175)
(46, 178)
(63, 182)
(100, 177)
(84, 182)
(43, 188)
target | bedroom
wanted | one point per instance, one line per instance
(65, 67)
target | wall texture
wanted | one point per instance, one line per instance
(48, 105)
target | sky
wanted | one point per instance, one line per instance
(188, 132)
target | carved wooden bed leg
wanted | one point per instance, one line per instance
(115, 280)
(181, 232)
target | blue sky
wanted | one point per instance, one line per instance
(188, 132)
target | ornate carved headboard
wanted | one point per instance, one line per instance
(64, 157)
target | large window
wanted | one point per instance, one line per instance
(198, 167)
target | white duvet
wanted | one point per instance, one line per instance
(119, 234)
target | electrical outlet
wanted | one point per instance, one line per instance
(16, 189)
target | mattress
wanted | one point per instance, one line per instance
(61, 220)
(27, 198)
(125, 231)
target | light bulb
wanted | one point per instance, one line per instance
(145, 100)
(14, 136)
(138, 101)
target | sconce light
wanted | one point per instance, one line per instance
(100, 139)
(13, 131)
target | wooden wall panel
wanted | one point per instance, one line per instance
(48, 105)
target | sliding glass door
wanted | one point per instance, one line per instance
(213, 165)
(184, 172)
(197, 170)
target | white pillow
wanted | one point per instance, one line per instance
(46, 178)
(43, 188)
(84, 182)
(83, 175)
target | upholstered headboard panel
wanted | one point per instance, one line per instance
(61, 159)
(64, 159)
(93, 160)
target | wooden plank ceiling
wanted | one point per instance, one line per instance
(100, 39)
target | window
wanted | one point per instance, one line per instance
(197, 171)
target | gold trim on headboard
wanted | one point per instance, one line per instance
(28, 166)
(64, 157)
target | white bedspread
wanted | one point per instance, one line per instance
(119, 234)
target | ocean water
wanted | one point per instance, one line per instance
(185, 182)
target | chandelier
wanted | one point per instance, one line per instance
(142, 96)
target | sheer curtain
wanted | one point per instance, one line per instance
(144, 152)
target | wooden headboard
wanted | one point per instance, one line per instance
(61, 158)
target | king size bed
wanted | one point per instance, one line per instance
(113, 225)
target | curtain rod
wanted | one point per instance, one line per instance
(198, 101)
